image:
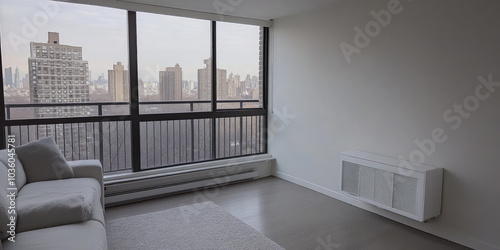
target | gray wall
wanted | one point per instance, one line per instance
(395, 91)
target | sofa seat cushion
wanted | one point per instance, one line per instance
(59, 202)
(84, 235)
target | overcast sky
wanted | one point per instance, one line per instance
(163, 41)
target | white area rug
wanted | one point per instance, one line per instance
(193, 227)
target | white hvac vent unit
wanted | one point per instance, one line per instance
(414, 192)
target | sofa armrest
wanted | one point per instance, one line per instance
(89, 169)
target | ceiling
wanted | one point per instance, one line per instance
(257, 9)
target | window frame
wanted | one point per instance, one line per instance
(134, 116)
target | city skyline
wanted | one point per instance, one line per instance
(54, 63)
(105, 30)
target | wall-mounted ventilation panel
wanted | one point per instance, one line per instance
(409, 189)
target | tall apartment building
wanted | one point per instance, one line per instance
(248, 82)
(255, 82)
(17, 79)
(118, 83)
(170, 84)
(233, 83)
(58, 74)
(205, 82)
(8, 76)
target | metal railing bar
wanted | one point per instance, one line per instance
(147, 144)
(9, 106)
(161, 142)
(229, 142)
(192, 140)
(241, 135)
(154, 143)
(20, 135)
(109, 146)
(251, 135)
(179, 133)
(117, 146)
(79, 142)
(258, 134)
(101, 142)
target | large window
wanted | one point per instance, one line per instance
(134, 90)
(239, 66)
(174, 61)
(58, 53)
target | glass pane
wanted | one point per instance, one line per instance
(174, 64)
(63, 55)
(239, 59)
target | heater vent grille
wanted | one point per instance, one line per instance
(409, 192)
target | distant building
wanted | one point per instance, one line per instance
(205, 82)
(255, 82)
(141, 88)
(8, 77)
(233, 83)
(118, 83)
(248, 82)
(101, 80)
(25, 82)
(17, 79)
(255, 94)
(171, 83)
(58, 74)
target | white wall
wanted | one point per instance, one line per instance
(395, 91)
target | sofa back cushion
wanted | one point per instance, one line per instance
(20, 174)
(43, 161)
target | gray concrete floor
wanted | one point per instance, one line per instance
(297, 218)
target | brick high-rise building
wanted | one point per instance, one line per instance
(58, 74)
(118, 83)
(171, 83)
(205, 82)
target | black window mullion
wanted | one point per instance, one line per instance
(266, 85)
(2, 106)
(214, 86)
(134, 92)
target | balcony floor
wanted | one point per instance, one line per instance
(298, 218)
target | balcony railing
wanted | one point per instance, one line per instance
(171, 132)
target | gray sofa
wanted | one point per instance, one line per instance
(55, 214)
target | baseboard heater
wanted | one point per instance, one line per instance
(409, 189)
(136, 190)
